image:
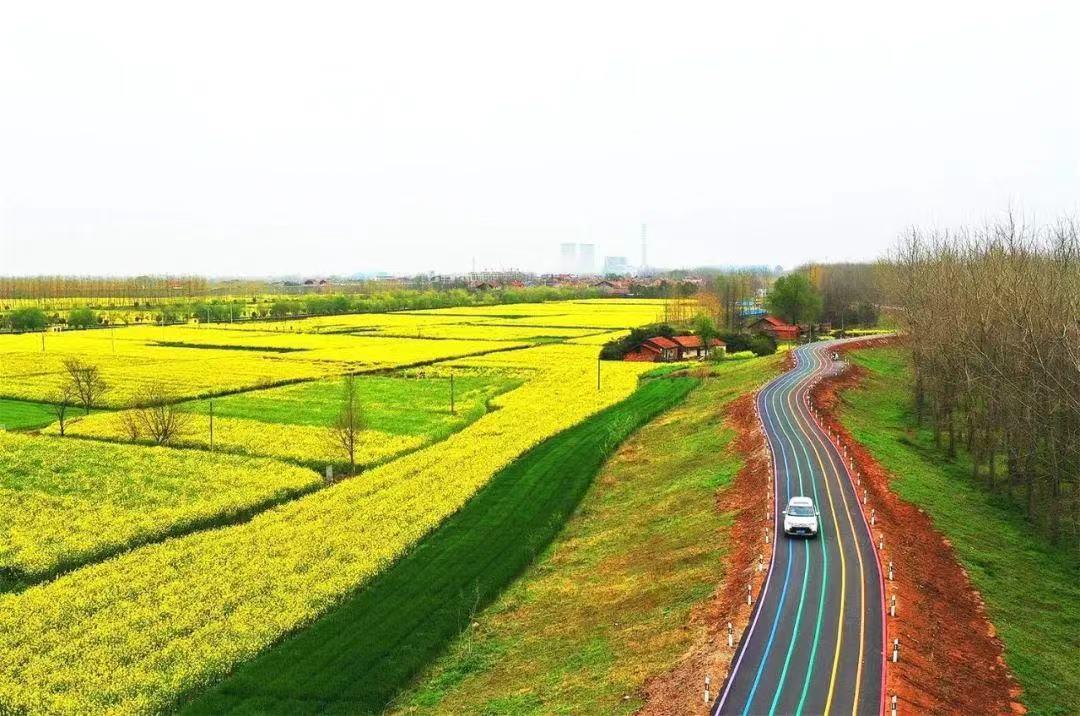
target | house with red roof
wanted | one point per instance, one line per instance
(664, 350)
(691, 347)
(657, 349)
(776, 328)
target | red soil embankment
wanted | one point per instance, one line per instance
(681, 691)
(950, 658)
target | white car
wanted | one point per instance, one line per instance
(801, 517)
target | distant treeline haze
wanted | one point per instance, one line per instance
(994, 319)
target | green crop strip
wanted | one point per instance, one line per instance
(356, 658)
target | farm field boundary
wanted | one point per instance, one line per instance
(357, 657)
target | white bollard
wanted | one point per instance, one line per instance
(892, 606)
(890, 570)
(881, 543)
(873, 515)
(749, 599)
(864, 497)
(766, 535)
(730, 636)
(707, 680)
(894, 705)
(895, 650)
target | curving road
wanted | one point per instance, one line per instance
(815, 641)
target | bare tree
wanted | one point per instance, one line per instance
(349, 423)
(86, 382)
(61, 401)
(129, 424)
(157, 417)
(993, 315)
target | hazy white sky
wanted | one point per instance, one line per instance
(317, 137)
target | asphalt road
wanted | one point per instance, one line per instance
(815, 642)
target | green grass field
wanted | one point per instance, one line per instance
(361, 654)
(24, 415)
(608, 603)
(398, 404)
(1031, 589)
(402, 412)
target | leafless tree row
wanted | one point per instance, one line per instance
(850, 292)
(722, 298)
(994, 319)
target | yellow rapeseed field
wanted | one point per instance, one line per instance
(135, 633)
(189, 362)
(65, 502)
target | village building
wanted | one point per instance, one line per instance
(691, 347)
(664, 350)
(778, 329)
(612, 288)
(658, 349)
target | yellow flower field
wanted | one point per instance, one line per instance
(191, 362)
(64, 502)
(135, 633)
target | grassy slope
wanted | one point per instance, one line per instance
(1031, 589)
(608, 603)
(357, 657)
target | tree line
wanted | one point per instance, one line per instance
(34, 318)
(993, 316)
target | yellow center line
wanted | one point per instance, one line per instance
(843, 578)
(862, 584)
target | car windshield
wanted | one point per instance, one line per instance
(800, 511)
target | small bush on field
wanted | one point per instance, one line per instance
(763, 345)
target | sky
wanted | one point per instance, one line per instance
(264, 138)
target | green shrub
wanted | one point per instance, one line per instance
(763, 345)
(82, 318)
(27, 319)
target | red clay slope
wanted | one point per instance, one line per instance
(682, 690)
(950, 658)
